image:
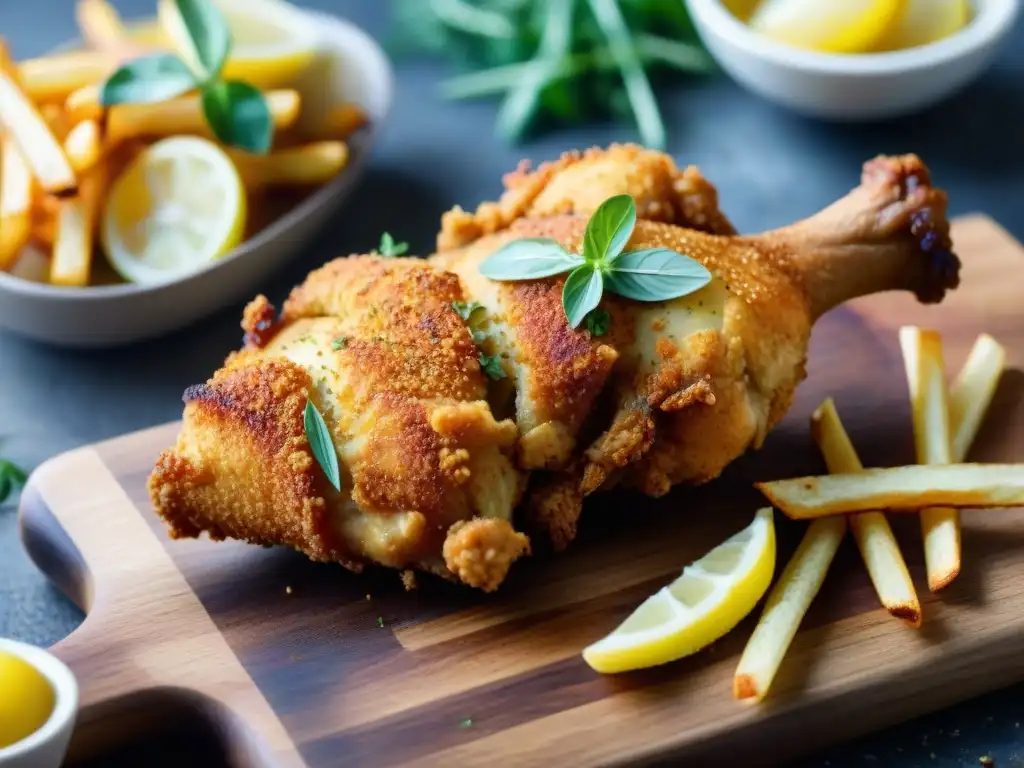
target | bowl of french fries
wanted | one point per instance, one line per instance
(158, 170)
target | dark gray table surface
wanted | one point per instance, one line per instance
(771, 167)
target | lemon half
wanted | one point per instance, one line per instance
(924, 22)
(834, 26)
(180, 205)
(273, 42)
(26, 699)
(710, 598)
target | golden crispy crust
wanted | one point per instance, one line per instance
(578, 182)
(242, 467)
(480, 551)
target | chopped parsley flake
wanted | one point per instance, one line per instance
(339, 343)
(598, 322)
(388, 247)
(491, 365)
(466, 310)
(380, 621)
(467, 723)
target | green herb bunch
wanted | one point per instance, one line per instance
(564, 60)
(237, 112)
(650, 274)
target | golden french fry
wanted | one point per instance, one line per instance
(310, 164)
(84, 104)
(871, 530)
(84, 146)
(899, 489)
(102, 30)
(15, 202)
(77, 219)
(343, 120)
(972, 392)
(30, 132)
(940, 528)
(786, 607)
(51, 79)
(185, 116)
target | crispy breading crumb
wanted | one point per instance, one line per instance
(408, 580)
(480, 551)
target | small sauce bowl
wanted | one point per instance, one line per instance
(45, 747)
(860, 86)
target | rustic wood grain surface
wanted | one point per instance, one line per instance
(303, 663)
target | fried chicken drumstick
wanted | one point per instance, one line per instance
(436, 457)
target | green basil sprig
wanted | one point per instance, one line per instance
(390, 248)
(652, 274)
(237, 112)
(322, 445)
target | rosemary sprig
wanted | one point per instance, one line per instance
(566, 59)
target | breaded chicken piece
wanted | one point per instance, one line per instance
(435, 456)
(699, 380)
(375, 344)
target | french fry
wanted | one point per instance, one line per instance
(40, 148)
(899, 489)
(871, 530)
(83, 145)
(71, 263)
(84, 104)
(971, 393)
(940, 527)
(185, 116)
(786, 607)
(311, 164)
(51, 79)
(343, 120)
(15, 202)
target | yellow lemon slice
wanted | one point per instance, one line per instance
(273, 42)
(924, 22)
(836, 26)
(26, 699)
(176, 208)
(703, 604)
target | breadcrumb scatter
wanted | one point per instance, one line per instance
(480, 551)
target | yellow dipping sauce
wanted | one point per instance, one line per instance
(26, 699)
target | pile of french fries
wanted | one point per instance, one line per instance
(946, 419)
(60, 149)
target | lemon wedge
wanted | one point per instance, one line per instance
(26, 699)
(273, 42)
(177, 207)
(924, 22)
(836, 26)
(710, 598)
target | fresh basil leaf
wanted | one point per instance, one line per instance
(598, 322)
(388, 247)
(321, 443)
(202, 36)
(239, 116)
(609, 229)
(149, 79)
(491, 365)
(529, 259)
(655, 274)
(464, 310)
(581, 293)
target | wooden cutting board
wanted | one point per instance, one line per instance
(302, 663)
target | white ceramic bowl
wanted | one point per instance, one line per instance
(855, 86)
(354, 69)
(46, 747)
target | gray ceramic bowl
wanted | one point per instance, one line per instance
(354, 69)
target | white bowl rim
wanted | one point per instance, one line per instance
(270, 232)
(992, 19)
(65, 689)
